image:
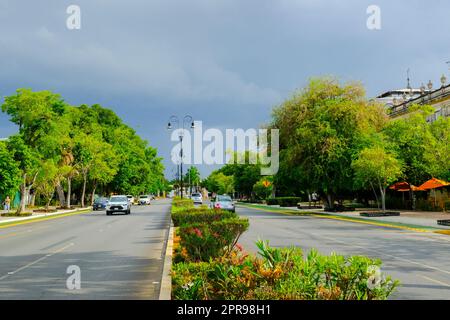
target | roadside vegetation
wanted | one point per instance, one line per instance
(73, 152)
(337, 143)
(209, 264)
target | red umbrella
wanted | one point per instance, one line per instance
(403, 187)
(433, 184)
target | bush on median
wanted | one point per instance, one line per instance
(202, 215)
(182, 203)
(282, 274)
(205, 241)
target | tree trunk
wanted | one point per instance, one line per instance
(84, 189)
(309, 198)
(330, 201)
(47, 206)
(23, 193)
(61, 196)
(376, 196)
(69, 192)
(93, 193)
(33, 199)
(383, 198)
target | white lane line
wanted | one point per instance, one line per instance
(436, 281)
(36, 261)
(365, 248)
(389, 255)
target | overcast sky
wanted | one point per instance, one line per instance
(225, 62)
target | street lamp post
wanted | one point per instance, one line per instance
(186, 120)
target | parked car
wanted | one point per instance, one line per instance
(223, 202)
(131, 199)
(144, 200)
(118, 204)
(100, 203)
(197, 198)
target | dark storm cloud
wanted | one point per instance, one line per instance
(226, 62)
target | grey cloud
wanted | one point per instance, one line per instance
(227, 62)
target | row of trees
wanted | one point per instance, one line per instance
(336, 142)
(72, 150)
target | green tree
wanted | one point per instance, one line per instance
(377, 167)
(263, 188)
(220, 183)
(46, 181)
(9, 172)
(322, 128)
(192, 177)
(437, 152)
(27, 161)
(415, 145)
(43, 123)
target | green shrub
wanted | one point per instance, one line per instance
(203, 241)
(282, 274)
(202, 215)
(272, 201)
(178, 202)
(284, 201)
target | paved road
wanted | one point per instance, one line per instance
(420, 261)
(119, 256)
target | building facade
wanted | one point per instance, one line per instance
(439, 99)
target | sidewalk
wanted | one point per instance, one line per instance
(4, 220)
(425, 219)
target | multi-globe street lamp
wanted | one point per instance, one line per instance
(187, 120)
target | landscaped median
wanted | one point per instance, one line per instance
(209, 264)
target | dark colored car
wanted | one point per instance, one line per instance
(100, 204)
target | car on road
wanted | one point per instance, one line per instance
(223, 202)
(144, 200)
(130, 199)
(118, 204)
(197, 198)
(100, 204)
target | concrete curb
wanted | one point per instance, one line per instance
(43, 215)
(165, 292)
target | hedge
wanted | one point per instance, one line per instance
(282, 274)
(193, 215)
(284, 201)
(203, 241)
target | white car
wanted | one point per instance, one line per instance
(130, 199)
(223, 202)
(118, 204)
(197, 198)
(144, 200)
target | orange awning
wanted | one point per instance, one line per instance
(403, 187)
(433, 184)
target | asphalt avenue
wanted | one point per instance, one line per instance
(116, 257)
(419, 260)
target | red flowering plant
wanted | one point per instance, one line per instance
(203, 241)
